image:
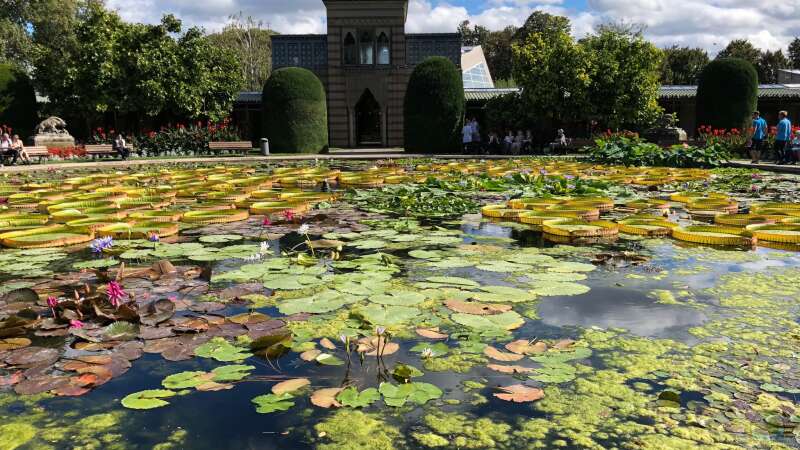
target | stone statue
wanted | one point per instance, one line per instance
(52, 125)
(52, 132)
(666, 132)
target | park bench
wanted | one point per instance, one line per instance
(37, 152)
(100, 150)
(242, 147)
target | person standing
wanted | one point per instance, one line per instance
(795, 145)
(759, 129)
(782, 138)
(466, 136)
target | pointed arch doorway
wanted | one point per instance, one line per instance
(368, 121)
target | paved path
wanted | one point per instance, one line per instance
(337, 155)
(794, 169)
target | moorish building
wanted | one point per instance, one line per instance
(364, 62)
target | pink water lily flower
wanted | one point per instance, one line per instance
(115, 294)
(77, 324)
(266, 222)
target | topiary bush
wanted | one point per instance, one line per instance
(434, 107)
(18, 107)
(727, 94)
(295, 114)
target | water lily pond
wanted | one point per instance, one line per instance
(406, 305)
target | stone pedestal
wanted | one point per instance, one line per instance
(666, 133)
(53, 140)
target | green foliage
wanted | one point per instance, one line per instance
(17, 100)
(682, 65)
(434, 107)
(413, 201)
(295, 112)
(93, 63)
(727, 94)
(768, 65)
(623, 91)
(631, 151)
(794, 53)
(252, 45)
(552, 70)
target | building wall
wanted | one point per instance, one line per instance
(789, 76)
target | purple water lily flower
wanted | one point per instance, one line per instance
(101, 244)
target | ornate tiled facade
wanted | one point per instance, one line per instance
(364, 62)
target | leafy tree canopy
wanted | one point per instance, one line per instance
(682, 65)
(252, 45)
(794, 53)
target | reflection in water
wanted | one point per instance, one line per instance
(621, 308)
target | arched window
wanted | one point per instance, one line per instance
(383, 49)
(350, 51)
(366, 48)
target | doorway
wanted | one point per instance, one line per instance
(368, 121)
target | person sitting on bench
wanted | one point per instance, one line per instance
(16, 144)
(121, 147)
(7, 150)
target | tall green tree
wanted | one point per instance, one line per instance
(741, 49)
(472, 35)
(769, 64)
(682, 65)
(542, 22)
(794, 53)
(499, 54)
(553, 72)
(624, 74)
(93, 65)
(252, 44)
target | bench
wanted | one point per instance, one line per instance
(100, 150)
(37, 152)
(242, 147)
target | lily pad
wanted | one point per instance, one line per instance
(415, 392)
(354, 399)
(148, 399)
(270, 403)
(221, 350)
(506, 321)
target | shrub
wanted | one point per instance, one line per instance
(18, 107)
(629, 150)
(295, 112)
(727, 94)
(179, 139)
(434, 107)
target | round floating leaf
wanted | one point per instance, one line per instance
(326, 359)
(148, 399)
(221, 350)
(270, 403)
(453, 281)
(551, 288)
(184, 380)
(388, 315)
(96, 264)
(354, 399)
(290, 385)
(398, 298)
(561, 356)
(416, 392)
(566, 267)
(506, 321)
(326, 398)
(519, 393)
(220, 238)
(234, 372)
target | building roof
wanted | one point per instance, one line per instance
(249, 97)
(482, 94)
(792, 71)
(668, 92)
(475, 69)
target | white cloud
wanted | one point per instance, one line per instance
(711, 24)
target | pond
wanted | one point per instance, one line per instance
(417, 304)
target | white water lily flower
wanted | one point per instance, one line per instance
(427, 353)
(303, 229)
(264, 248)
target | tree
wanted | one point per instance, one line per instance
(769, 64)
(499, 55)
(252, 44)
(17, 100)
(542, 22)
(94, 66)
(742, 49)
(553, 72)
(623, 91)
(434, 107)
(794, 53)
(477, 35)
(682, 65)
(295, 111)
(727, 93)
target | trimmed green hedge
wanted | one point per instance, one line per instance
(434, 107)
(727, 94)
(295, 112)
(18, 107)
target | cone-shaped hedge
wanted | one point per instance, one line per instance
(727, 94)
(295, 112)
(17, 101)
(434, 107)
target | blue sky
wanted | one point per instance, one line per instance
(710, 24)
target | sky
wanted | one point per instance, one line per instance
(710, 24)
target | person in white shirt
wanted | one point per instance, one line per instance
(19, 147)
(6, 150)
(121, 147)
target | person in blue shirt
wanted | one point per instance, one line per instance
(757, 139)
(782, 138)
